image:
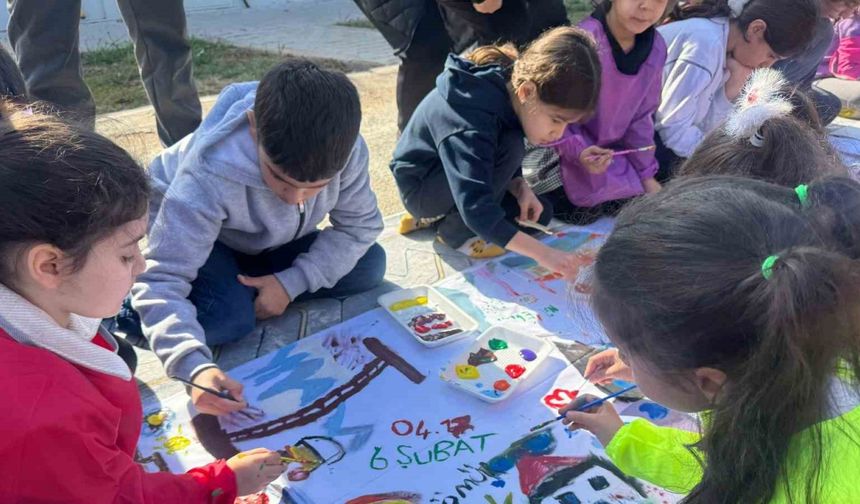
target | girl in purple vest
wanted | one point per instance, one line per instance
(590, 176)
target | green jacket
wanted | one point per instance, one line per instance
(660, 456)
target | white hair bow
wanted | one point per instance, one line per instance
(762, 99)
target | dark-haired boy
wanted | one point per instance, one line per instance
(235, 209)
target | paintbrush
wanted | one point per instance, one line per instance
(535, 225)
(629, 151)
(584, 407)
(223, 394)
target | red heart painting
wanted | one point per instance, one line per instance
(559, 398)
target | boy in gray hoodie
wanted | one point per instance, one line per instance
(233, 227)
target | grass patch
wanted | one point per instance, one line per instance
(112, 73)
(356, 23)
(577, 10)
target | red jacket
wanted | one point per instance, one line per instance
(68, 434)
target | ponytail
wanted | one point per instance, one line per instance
(760, 283)
(504, 55)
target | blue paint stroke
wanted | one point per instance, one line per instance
(462, 300)
(334, 428)
(498, 483)
(621, 383)
(654, 410)
(292, 372)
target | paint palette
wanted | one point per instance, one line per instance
(496, 363)
(428, 315)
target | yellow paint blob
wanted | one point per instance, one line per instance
(408, 303)
(466, 372)
(155, 419)
(176, 443)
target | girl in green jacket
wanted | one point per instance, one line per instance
(739, 299)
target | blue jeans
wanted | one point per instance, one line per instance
(225, 308)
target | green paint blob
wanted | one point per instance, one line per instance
(497, 344)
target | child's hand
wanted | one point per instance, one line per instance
(738, 75)
(255, 469)
(488, 6)
(651, 185)
(530, 206)
(596, 159)
(566, 263)
(602, 421)
(215, 379)
(272, 300)
(606, 366)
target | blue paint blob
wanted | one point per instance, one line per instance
(501, 464)
(498, 483)
(569, 433)
(621, 383)
(479, 385)
(528, 355)
(491, 393)
(654, 410)
(540, 444)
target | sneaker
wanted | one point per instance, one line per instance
(408, 223)
(477, 248)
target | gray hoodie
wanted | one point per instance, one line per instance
(209, 187)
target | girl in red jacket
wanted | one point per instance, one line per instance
(74, 209)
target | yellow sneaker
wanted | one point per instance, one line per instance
(408, 223)
(477, 248)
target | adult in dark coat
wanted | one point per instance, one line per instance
(423, 32)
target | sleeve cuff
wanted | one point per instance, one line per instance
(294, 281)
(218, 480)
(190, 364)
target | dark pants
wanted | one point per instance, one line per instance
(572, 214)
(44, 36)
(433, 197)
(444, 27)
(225, 308)
(667, 160)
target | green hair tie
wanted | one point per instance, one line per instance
(767, 266)
(802, 192)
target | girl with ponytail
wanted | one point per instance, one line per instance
(774, 134)
(713, 46)
(737, 298)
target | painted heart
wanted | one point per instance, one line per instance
(559, 398)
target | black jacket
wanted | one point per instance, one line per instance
(457, 129)
(518, 21)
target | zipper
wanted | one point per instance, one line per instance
(301, 219)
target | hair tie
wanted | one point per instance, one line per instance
(802, 192)
(767, 266)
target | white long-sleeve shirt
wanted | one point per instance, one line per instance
(694, 99)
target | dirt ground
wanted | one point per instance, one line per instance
(135, 130)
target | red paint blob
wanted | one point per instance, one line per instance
(515, 370)
(501, 385)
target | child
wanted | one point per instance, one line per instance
(74, 209)
(774, 135)
(589, 181)
(737, 298)
(713, 46)
(458, 160)
(234, 219)
(840, 73)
